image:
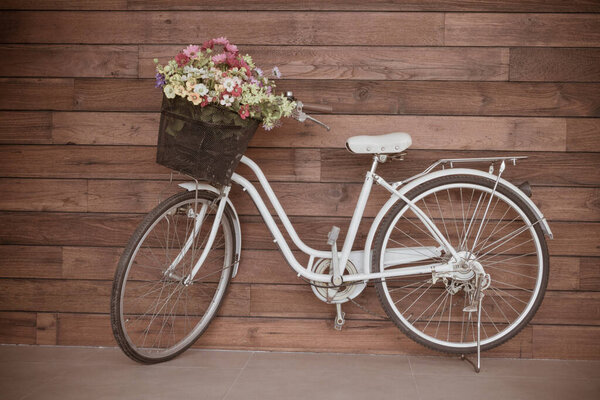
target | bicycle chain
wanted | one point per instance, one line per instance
(365, 309)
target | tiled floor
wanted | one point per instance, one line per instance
(31, 372)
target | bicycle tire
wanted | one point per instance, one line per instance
(416, 329)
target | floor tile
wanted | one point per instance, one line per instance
(491, 388)
(55, 354)
(342, 362)
(137, 382)
(18, 379)
(190, 358)
(496, 367)
(320, 383)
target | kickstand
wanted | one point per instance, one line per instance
(477, 367)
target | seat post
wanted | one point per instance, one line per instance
(375, 162)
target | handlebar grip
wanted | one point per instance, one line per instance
(317, 107)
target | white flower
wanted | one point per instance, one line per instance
(227, 100)
(201, 89)
(229, 84)
(169, 91)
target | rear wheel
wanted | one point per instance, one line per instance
(508, 244)
(155, 313)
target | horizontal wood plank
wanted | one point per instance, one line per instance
(310, 5)
(36, 94)
(427, 132)
(64, 4)
(51, 295)
(548, 169)
(111, 128)
(362, 62)
(583, 134)
(554, 64)
(18, 327)
(374, 5)
(88, 229)
(374, 97)
(69, 61)
(362, 97)
(284, 335)
(31, 262)
(43, 194)
(175, 27)
(25, 127)
(257, 266)
(566, 342)
(557, 30)
(139, 162)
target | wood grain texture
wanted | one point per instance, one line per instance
(64, 4)
(43, 195)
(69, 61)
(31, 262)
(427, 132)
(583, 134)
(375, 5)
(557, 30)
(547, 169)
(285, 335)
(18, 327)
(25, 127)
(554, 64)
(194, 27)
(36, 94)
(90, 229)
(256, 266)
(566, 342)
(310, 5)
(375, 97)
(139, 162)
(363, 62)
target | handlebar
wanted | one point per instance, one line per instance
(317, 107)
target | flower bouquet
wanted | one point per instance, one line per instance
(213, 102)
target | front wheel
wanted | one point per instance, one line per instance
(508, 243)
(156, 313)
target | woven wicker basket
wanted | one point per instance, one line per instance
(206, 143)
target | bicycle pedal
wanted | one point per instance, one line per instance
(333, 235)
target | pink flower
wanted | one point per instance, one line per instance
(191, 51)
(244, 111)
(209, 44)
(232, 48)
(181, 59)
(222, 41)
(219, 58)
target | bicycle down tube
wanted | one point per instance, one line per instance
(350, 236)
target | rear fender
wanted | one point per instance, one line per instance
(446, 172)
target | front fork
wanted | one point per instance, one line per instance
(199, 220)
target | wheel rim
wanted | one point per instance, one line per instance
(159, 314)
(515, 263)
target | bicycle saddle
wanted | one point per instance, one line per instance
(379, 144)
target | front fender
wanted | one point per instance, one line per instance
(446, 172)
(192, 186)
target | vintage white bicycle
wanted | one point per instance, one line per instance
(457, 255)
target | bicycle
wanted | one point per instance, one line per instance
(458, 256)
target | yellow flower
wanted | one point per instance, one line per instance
(180, 91)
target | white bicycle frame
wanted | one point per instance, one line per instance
(394, 258)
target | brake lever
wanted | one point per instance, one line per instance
(302, 116)
(317, 121)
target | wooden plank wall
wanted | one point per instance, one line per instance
(78, 123)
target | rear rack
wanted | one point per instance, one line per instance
(451, 161)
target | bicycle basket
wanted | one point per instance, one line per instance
(206, 143)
